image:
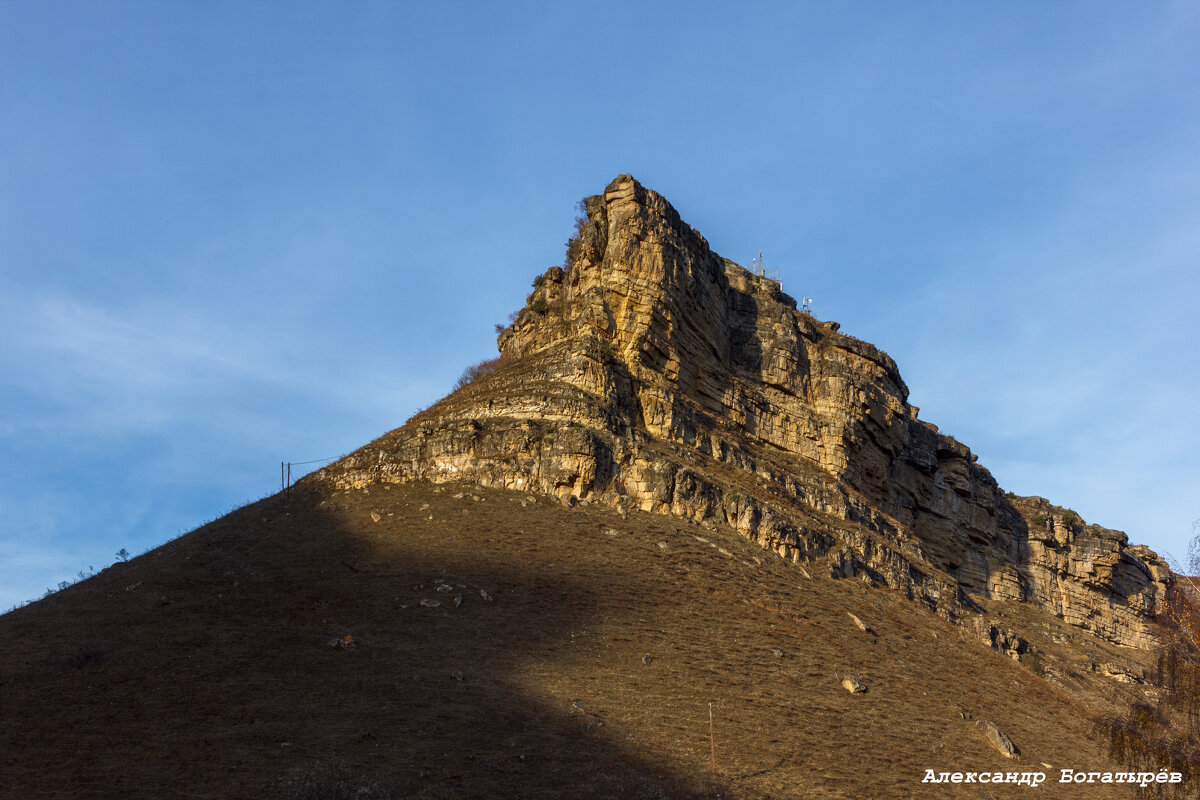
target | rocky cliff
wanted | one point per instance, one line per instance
(651, 372)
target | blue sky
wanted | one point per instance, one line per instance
(233, 234)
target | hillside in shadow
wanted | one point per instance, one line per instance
(506, 646)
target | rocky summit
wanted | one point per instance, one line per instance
(650, 372)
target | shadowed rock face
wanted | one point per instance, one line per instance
(652, 372)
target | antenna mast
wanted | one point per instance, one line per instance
(759, 269)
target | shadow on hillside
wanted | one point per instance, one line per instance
(215, 674)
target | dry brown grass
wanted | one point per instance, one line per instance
(203, 668)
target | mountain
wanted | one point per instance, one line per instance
(652, 373)
(681, 538)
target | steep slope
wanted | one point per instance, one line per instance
(571, 653)
(653, 373)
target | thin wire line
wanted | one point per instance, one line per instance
(316, 460)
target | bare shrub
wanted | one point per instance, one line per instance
(477, 371)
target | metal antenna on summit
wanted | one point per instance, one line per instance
(759, 269)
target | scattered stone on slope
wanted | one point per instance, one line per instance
(484, 594)
(427, 603)
(647, 658)
(853, 685)
(1122, 673)
(1005, 640)
(376, 516)
(862, 626)
(998, 740)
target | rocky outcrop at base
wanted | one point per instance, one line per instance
(650, 372)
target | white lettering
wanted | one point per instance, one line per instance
(1067, 776)
(929, 778)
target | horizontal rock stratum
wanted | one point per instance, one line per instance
(650, 372)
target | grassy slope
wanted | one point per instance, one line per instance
(202, 669)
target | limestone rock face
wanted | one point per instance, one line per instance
(650, 372)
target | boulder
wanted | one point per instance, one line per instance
(996, 738)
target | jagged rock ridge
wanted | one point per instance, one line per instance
(652, 372)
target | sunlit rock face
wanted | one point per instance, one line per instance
(650, 372)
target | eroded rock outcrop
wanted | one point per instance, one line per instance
(652, 372)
